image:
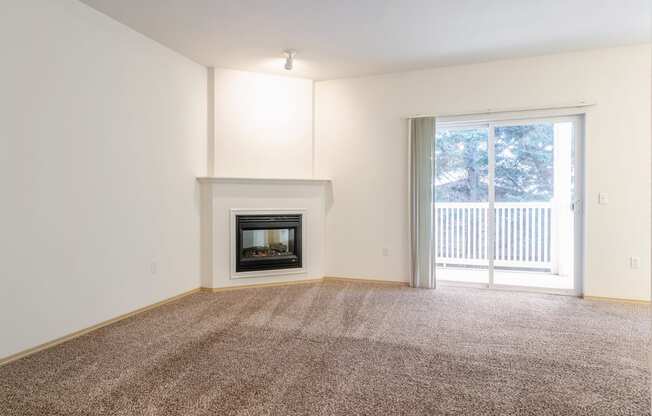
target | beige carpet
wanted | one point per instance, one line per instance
(348, 349)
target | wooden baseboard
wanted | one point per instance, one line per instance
(364, 280)
(617, 300)
(306, 281)
(259, 285)
(76, 334)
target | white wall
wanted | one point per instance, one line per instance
(102, 133)
(361, 144)
(263, 125)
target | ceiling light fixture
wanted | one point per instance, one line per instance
(289, 59)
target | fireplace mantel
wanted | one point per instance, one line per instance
(221, 197)
(289, 181)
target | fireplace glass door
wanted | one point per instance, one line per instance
(268, 242)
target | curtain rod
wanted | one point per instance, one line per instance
(579, 104)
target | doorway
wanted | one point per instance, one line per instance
(507, 203)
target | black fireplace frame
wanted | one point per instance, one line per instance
(269, 222)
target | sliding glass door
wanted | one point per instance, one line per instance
(462, 204)
(506, 199)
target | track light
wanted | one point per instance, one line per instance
(289, 59)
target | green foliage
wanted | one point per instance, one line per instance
(524, 164)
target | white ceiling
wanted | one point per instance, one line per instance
(343, 38)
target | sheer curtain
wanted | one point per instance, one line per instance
(422, 169)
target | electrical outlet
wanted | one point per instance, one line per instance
(385, 252)
(634, 262)
(603, 198)
(153, 267)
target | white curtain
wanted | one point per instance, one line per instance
(422, 169)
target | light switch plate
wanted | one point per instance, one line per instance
(603, 198)
(634, 262)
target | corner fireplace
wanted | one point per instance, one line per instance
(268, 242)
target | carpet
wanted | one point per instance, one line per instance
(348, 349)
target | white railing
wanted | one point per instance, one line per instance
(523, 234)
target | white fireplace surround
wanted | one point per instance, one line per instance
(305, 248)
(224, 198)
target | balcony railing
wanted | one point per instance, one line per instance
(523, 237)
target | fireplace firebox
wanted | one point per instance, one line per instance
(268, 242)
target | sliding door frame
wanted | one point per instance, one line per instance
(491, 177)
(490, 122)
